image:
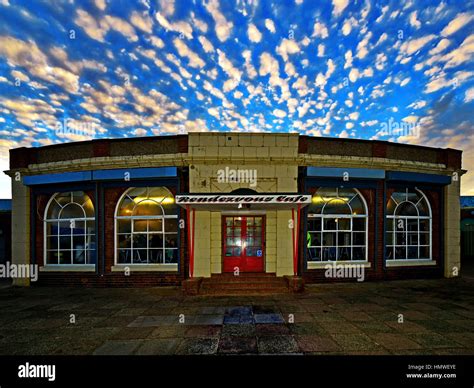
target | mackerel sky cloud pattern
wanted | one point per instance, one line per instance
(323, 68)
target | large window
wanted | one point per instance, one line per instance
(408, 226)
(337, 226)
(147, 227)
(69, 226)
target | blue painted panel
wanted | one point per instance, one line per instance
(336, 172)
(100, 175)
(135, 173)
(64, 177)
(418, 177)
(467, 201)
(5, 205)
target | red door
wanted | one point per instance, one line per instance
(244, 243)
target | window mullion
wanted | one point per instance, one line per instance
(163, 231)
(352, 239)
(147, 241)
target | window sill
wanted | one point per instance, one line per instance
(409, 263)
(323, 264)
(145, 267)
(68, 268)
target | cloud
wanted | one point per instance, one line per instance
(354, 74)
(206, 44)
(20, 76)
(223, 27)
(142, 22)
(97, 29)
(167, 7)
(181, 27)
(442, 45)
(462, 54)
(456, 24)
(320, 80)
(362, 47)
(380, 61)
(344, 134)
(287, 46)
(321, 49)
(417, 104)
(412, 46)
(331, 67)
(185, 52)
(119, 25)
(339, 6)
(253, 33)
(139, 132)
(157, 42)
(214, 112)
(348, 59)
(200, 24)
(414, 22)
(249, 68)
(440, 81)
(89, 25)
(28, 55)
(320, 30)
(227, 66)
(405, 81)
(270, 25)
(469, 95)
(410, 119)
(279, 113)
(354, 116)
(348, 25)
(448, 124)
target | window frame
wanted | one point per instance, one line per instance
(163, 217)
(393, 219)
(88, 252)
(321, 216)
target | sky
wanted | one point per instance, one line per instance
(401, 71)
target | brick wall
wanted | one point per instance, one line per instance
(376, 252)
(136, 279)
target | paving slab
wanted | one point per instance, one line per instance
(165, 346)
(391, 341)
(312, 343)
(198, 346)
(117, 347)
(278, 345)
(326, 319)
(268, 318)
(237, 345)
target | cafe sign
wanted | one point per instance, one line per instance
(192, 199)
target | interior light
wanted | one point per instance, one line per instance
(161, 200)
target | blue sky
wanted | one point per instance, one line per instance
(77, 70)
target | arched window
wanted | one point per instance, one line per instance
(408, 226)
(337, 226)
(69, 226)
(146, 224)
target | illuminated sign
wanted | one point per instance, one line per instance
(204, 199)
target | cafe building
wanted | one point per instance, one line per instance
(231, 211)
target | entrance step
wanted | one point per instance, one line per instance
(244, 284)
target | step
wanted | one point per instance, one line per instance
(240, 287)
(244, 282)
(266, 291)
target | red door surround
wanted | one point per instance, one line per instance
(243, 245)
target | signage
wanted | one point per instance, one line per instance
(192, 199)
